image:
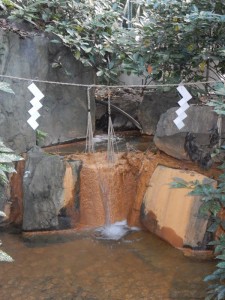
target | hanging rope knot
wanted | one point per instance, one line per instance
(109, 102)
(111, 133)
(89, 97)
(89, 135)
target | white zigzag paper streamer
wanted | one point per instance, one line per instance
(181, 115)
(36, 105)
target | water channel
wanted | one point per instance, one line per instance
(83, 266)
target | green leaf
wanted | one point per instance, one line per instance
(219, 248)
(9, 157)
(222, 256)
(100, 73)
(56, 42)
(210, 297)
(5, 87)
(40, 136)
(221, 295)
(178, 183)
(5, 257)
(219, 272)
(213, 227)
(56, 65)
(2, 214)
(3, 177)
(211, 277)
(5, 149)
(223, 224)
(77, 54)
(219, 89)
(86, 49)
(221, 265)
(8, 168)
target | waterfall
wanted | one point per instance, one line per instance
(118, 229)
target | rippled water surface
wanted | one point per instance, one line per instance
(140, 266)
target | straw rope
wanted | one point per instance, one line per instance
(108, 86)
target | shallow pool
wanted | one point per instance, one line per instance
(83, 267)
(123, 141)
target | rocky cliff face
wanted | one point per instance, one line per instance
(64, 111)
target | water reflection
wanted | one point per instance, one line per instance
(140, 266)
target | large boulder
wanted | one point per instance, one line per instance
(50, 197)
(173, 214)
(200, 120)
(64, 111)
(153, 105)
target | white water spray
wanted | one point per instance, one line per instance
(115, 231)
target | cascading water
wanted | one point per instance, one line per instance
(117, 230)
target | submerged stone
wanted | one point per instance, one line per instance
(173, 214)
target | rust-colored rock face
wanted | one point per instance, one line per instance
(95, 192)
(70, 185)
(172, 214)
(16, 183)
(116, 192)
(107, 191)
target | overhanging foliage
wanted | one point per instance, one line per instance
(169, 40)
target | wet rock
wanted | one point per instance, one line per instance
(200, 120)
(172, 214)
(106, 193)
(64, 111)
(196, 153)
(49, 185)
(103, 121)
(126, 99)
(16, 194)
(153, 105)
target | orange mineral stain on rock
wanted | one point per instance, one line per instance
(106, 191)
(109, 193)
(172, 213)
(69, 184)
(122, 185)
(16, 194)
(169, 235)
